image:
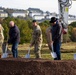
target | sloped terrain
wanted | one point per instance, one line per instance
(22, 66)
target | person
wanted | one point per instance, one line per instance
(61, 27)
(48, 36)
(56, 37)
(14, 38)
(36, 40)
(1, 38)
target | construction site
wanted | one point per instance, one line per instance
(27, 64)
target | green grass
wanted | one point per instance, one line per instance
(67, 51)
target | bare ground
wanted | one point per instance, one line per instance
(22, 66)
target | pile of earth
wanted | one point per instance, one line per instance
(22, 66)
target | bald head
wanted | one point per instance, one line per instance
(11, 23)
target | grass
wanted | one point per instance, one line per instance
(67, 51)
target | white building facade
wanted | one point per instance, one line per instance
(19, 14)
(3, 14)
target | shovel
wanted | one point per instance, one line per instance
(74, 56)
(28, 54)
(53, 54)
(5, 54)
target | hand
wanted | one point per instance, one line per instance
(52, 42)
(30, 45)
(6, 43)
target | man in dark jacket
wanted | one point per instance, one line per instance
(14, 38)
(56, 37)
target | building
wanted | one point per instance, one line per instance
(19, 13)
(38, 17)
(34, 11)
(3, 14)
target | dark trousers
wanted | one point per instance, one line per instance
(56, 46)
(14, 49)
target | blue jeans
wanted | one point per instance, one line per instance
(14, 49)
(56, 46)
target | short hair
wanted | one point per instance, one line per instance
(34, 21)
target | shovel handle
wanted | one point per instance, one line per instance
(28, 50)
(52, 47)
(6, 48)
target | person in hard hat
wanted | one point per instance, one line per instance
(36, 39)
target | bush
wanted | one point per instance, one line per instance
(72, 31)
(73, 35)
(25, 31)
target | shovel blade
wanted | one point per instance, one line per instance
(4, 55)
(53, 54)
(74, 56)
(27, 56)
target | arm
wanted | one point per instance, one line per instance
(32, 42)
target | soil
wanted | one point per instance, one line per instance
(22, 66)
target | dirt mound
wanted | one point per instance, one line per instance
(22, 66)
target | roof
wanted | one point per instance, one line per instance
(19, 12)
(34, 10)
(2, 12)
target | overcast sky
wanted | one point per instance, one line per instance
(45, 5)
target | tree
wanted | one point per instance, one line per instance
(25, 31)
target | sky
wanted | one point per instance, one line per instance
(45, 5)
